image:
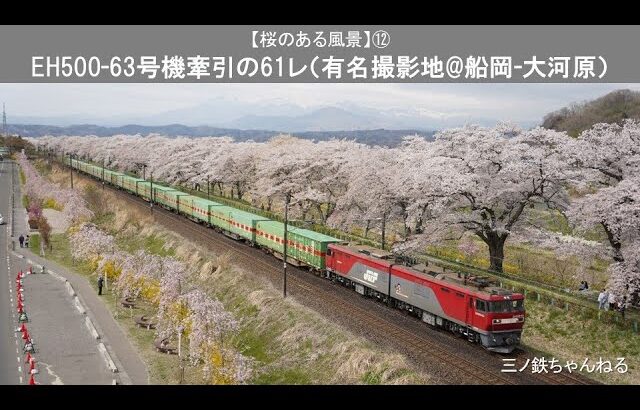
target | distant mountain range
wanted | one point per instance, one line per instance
(274, 114)
(614, 107)
(383, 137)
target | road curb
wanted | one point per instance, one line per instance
(70, 289)
(79, 306)
(55, 275)
(107, 357)
(91, 328)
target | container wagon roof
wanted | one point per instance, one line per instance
(205, 202)
(237, 213)
(302, 232)
(133, 178)
(163, 188)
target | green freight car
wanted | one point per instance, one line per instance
(235, 223)
(110, 177)
(169, 198)
(130, 183)
(305, 246)
(197, 208)
(94, 170)
(244, 224)
(143, 189)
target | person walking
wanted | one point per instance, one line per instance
(603, 298)
(100, 283)
(26, 241)
(21, 240)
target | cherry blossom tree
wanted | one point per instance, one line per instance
(606, 159)
(209, 326)
(89, 242)
(39, 189)
(491, 182)
(484, 180)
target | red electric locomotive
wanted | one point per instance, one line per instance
(466, 305)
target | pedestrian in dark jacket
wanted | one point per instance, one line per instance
(100, 283)
(21, 240)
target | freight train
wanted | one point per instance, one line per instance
(469, 306)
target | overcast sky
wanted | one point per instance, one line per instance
(514, 102)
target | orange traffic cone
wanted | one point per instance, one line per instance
(32, 381)
(28, 359)
(33, 365)
(23, 328)
(25, 335)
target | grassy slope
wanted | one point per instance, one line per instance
(574, 336)
(291, 354)
(292, 344)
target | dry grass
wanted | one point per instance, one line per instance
(291, 343)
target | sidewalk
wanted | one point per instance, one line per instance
(131, 368)
(66, 351)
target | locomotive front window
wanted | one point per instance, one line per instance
(504, 306)
(517, 305)
(481, 305)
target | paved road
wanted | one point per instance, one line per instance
(66, 352)
(9, 372)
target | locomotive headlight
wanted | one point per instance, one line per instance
(497, 321)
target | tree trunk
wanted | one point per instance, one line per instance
(495, 243)
(269, 202)
(322, 215)
(418, 226)
(615, 244)
(239, 191)
(420, 219)
(366, 229)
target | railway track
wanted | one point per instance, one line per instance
(422, 348)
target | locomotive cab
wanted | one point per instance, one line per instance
(499, 319)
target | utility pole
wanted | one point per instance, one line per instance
(103, 165)
(286, 240)
(384, 222)
(151, 196)
(208, 196)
